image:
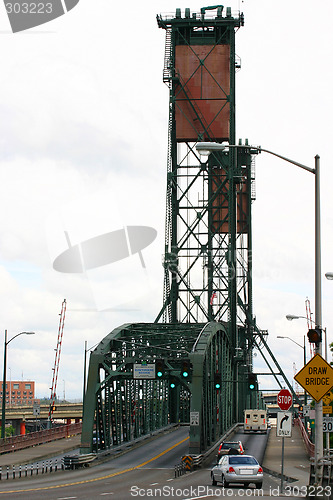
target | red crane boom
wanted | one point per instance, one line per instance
(55, 369)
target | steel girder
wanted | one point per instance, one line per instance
(119, 408)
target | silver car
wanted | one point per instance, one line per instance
(243, 469)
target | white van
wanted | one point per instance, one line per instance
(255, 421)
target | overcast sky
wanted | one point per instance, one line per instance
(83, 136)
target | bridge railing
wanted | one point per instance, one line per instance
(308, 444)
(15, 443)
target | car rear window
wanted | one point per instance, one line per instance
(229, 445)
(238, 459)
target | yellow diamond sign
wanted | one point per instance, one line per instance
(316, 377)
(328, 398)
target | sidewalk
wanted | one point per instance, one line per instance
(296, 459)
(40, 452)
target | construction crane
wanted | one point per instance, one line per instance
(296, 384)
(55, 369)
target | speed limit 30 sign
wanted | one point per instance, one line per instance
(327, 424)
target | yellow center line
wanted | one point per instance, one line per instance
(98, 478)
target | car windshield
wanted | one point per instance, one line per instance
(238, 459)
(229, 445)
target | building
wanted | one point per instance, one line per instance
(18, 393)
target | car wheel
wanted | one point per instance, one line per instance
(258, 485)
(214, 483)
(225, 483)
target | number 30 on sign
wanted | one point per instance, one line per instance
(328, 424)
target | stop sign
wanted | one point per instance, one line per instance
(284, 399)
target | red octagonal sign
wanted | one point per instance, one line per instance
(284, 399)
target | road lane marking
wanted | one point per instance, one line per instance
(98, 478)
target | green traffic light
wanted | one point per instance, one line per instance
(185, 374)
(251, 386)
(172, 385)
(159, 374)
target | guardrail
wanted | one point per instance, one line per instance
(310, 447)
(76, 461)
(15, 443)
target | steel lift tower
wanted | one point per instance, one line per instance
(208, 214)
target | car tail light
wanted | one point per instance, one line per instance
(231, 470)
(260, 471)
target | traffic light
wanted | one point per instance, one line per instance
(217, 381)
(159, 368)
(252, 381)
(314, 335)
(186, 369)
(173, 382)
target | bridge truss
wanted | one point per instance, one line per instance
(121, 407)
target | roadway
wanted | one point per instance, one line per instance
(144, 472)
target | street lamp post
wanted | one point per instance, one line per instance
(304, 352)
(3, 414)
(329, 276)
(301, 346)
(205, 148)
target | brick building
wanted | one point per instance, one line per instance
(18, 393)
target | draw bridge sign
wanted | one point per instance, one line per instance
(316, 377)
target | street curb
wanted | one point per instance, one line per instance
(288, 479)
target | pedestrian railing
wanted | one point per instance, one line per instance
(14, 443)
(310, 447)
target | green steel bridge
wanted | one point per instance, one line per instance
(194, 363)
